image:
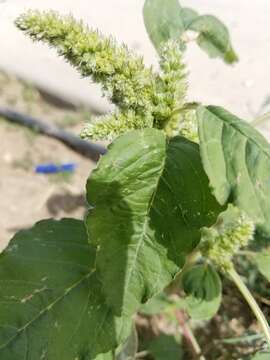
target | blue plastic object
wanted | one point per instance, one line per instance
(52, 168)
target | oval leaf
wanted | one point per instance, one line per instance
(236, 159)
(214, 37)
(51, 302)
(188, 15)
(149, 201)
(262, 261)
(166, 20)
(202, 286)
(163, 20)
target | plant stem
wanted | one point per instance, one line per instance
(189, 336)
(187, 106)
(252, 303)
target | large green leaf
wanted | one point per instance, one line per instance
(163, 20)
(262, 261)
(149, 199)
(213, 37)
(202, 286)
(51, 302)
(236, 159)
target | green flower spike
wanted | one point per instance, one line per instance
(122, 74)
(171, 83)
(111, 125)
(143, 98)
(170, 112)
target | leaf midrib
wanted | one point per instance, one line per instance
(236, 128)
(249, 177)
(48, 307)
(141, 242)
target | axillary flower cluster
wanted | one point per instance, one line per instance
(142, 97)
(232, 231)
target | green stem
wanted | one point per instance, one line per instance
(186, 107)
(194, 342)
(252, 303)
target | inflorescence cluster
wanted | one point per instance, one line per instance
(143, 98)
(232, 231)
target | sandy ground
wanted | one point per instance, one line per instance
(25, 196)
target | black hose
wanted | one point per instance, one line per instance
(85, 148)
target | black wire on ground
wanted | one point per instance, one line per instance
(85, 148)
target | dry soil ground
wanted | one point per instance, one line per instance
(25, 196)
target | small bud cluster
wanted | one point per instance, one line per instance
(171, 83)
(185, 124)
(142, 97)
(111, 125)
(232, 231)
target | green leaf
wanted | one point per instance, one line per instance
(202, 286)
(107, 356)
(188, 15)
(214, 38)
(262, 261)
(163, 20)
(166, 347)
(156, 304)
(261, 356)
(150, 198)
(51, 302)
(236, 159)
(129, 349)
